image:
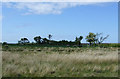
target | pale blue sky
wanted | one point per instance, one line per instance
(64, 22)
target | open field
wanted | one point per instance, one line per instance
(60, 62)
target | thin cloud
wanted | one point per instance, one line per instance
(44, 8)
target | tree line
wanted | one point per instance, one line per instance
(91, 38)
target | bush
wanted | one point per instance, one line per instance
(4, 43)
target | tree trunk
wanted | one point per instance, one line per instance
(80, 44)
(90, 43)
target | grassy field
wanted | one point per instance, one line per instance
(20, 61)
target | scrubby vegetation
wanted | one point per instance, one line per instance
(92, 38)
(50, 58)
(27, 61)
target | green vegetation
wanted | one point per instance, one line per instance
(93, 39)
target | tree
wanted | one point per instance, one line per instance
(49, 36)
(100, 38)
(63, 42)
(37, 39)
(23, 41)
(91, 38)
(4, 43)
(45, 40)
(19, 42)
(78, 40)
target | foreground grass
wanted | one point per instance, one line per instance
(60, 62)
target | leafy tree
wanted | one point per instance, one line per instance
(63, 42)
(45, 40)
(19, 42)
(37, 39)
(23, 41)
(4, 43)
(78, 40)
(91, 38)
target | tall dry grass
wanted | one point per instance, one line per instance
(65, 62)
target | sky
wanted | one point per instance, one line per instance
(64, 21)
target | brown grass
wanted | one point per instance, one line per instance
(65, 62)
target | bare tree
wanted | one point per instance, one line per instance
(99, 38)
